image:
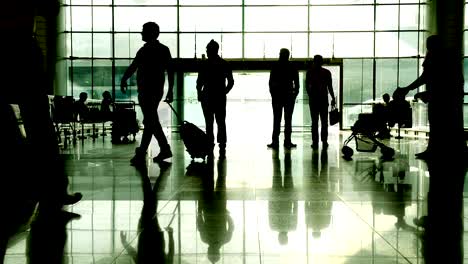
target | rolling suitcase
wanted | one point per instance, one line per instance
(195, 139)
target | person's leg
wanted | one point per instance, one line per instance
(277, 115)
(288, 113)
(165, 148)
(324, 125)
(209, 120)
(314, 116)
(220, 115)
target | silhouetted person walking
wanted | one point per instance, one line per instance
(284, 88)
(282, 206)
(212, 90)
(28, 84)
(151, 63)
(318, 86)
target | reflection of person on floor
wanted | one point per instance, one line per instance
(282, 207)
(151, 242)
(318, 212)
(213, 219)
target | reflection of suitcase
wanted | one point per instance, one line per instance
(124, 121)
(195, 139)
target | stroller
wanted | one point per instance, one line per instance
(364, 131)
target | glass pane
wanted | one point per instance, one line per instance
(102, 19)
(102, 45)
(322, 43)
(102, 78)
(210, 2)
(386, 17)
(408, 71)
(133, 18)
(357, 80)
(348, 45)
(131, 94)
(386, 77)
(276, 18)
(81, 44)
(218, 19)
(340, 2)
(230, 45)
(102, 2)
(386, 44)
(275, 2)
(127, 44)
(408, 44)
(81, 18)
(268, 45)
(65, 12)
(79, 77)
(409, 17)
(80, 2)
(341, 18)
(145, 2)
(465, 70)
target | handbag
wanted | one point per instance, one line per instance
(334, 116)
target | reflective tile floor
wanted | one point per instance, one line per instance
(255, 206)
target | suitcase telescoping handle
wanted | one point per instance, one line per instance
(175, 112)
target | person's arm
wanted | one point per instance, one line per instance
(271, 82)
(170, 79)
(128, 73)
(296, 82)
(330, 88)
(200, 83)
(230, 80)
(418, 82)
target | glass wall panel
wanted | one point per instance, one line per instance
(145, 2)
(409, 17)
(230, 45)
(357, 81)
(341, 18)
(102, 45)
(386, 76)
(102, 78)
(351, 113)
(323, 44)
(102, 19)
(351, 45)
(79, 77)
(127, 44)
(218, 19)
(386, 17)
(268, 45)
(285, 18)
(408, 44)
(81, 44)
(81, 18)
(340, 2)
(465, 70)
(386, 44)
(423, 18)
(210, 2)
(132, 18)
(408, 71)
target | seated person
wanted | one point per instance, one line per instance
(382, 117)
(81, 109)
(399, 111)
(106, 112)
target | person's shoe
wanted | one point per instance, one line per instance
(72, 198)
(314, 146)
(273, 145)
(164, 154)
(290, 145)
(222, 153)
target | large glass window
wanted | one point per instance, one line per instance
(375, 38)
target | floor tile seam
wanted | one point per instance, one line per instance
(373, 229)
